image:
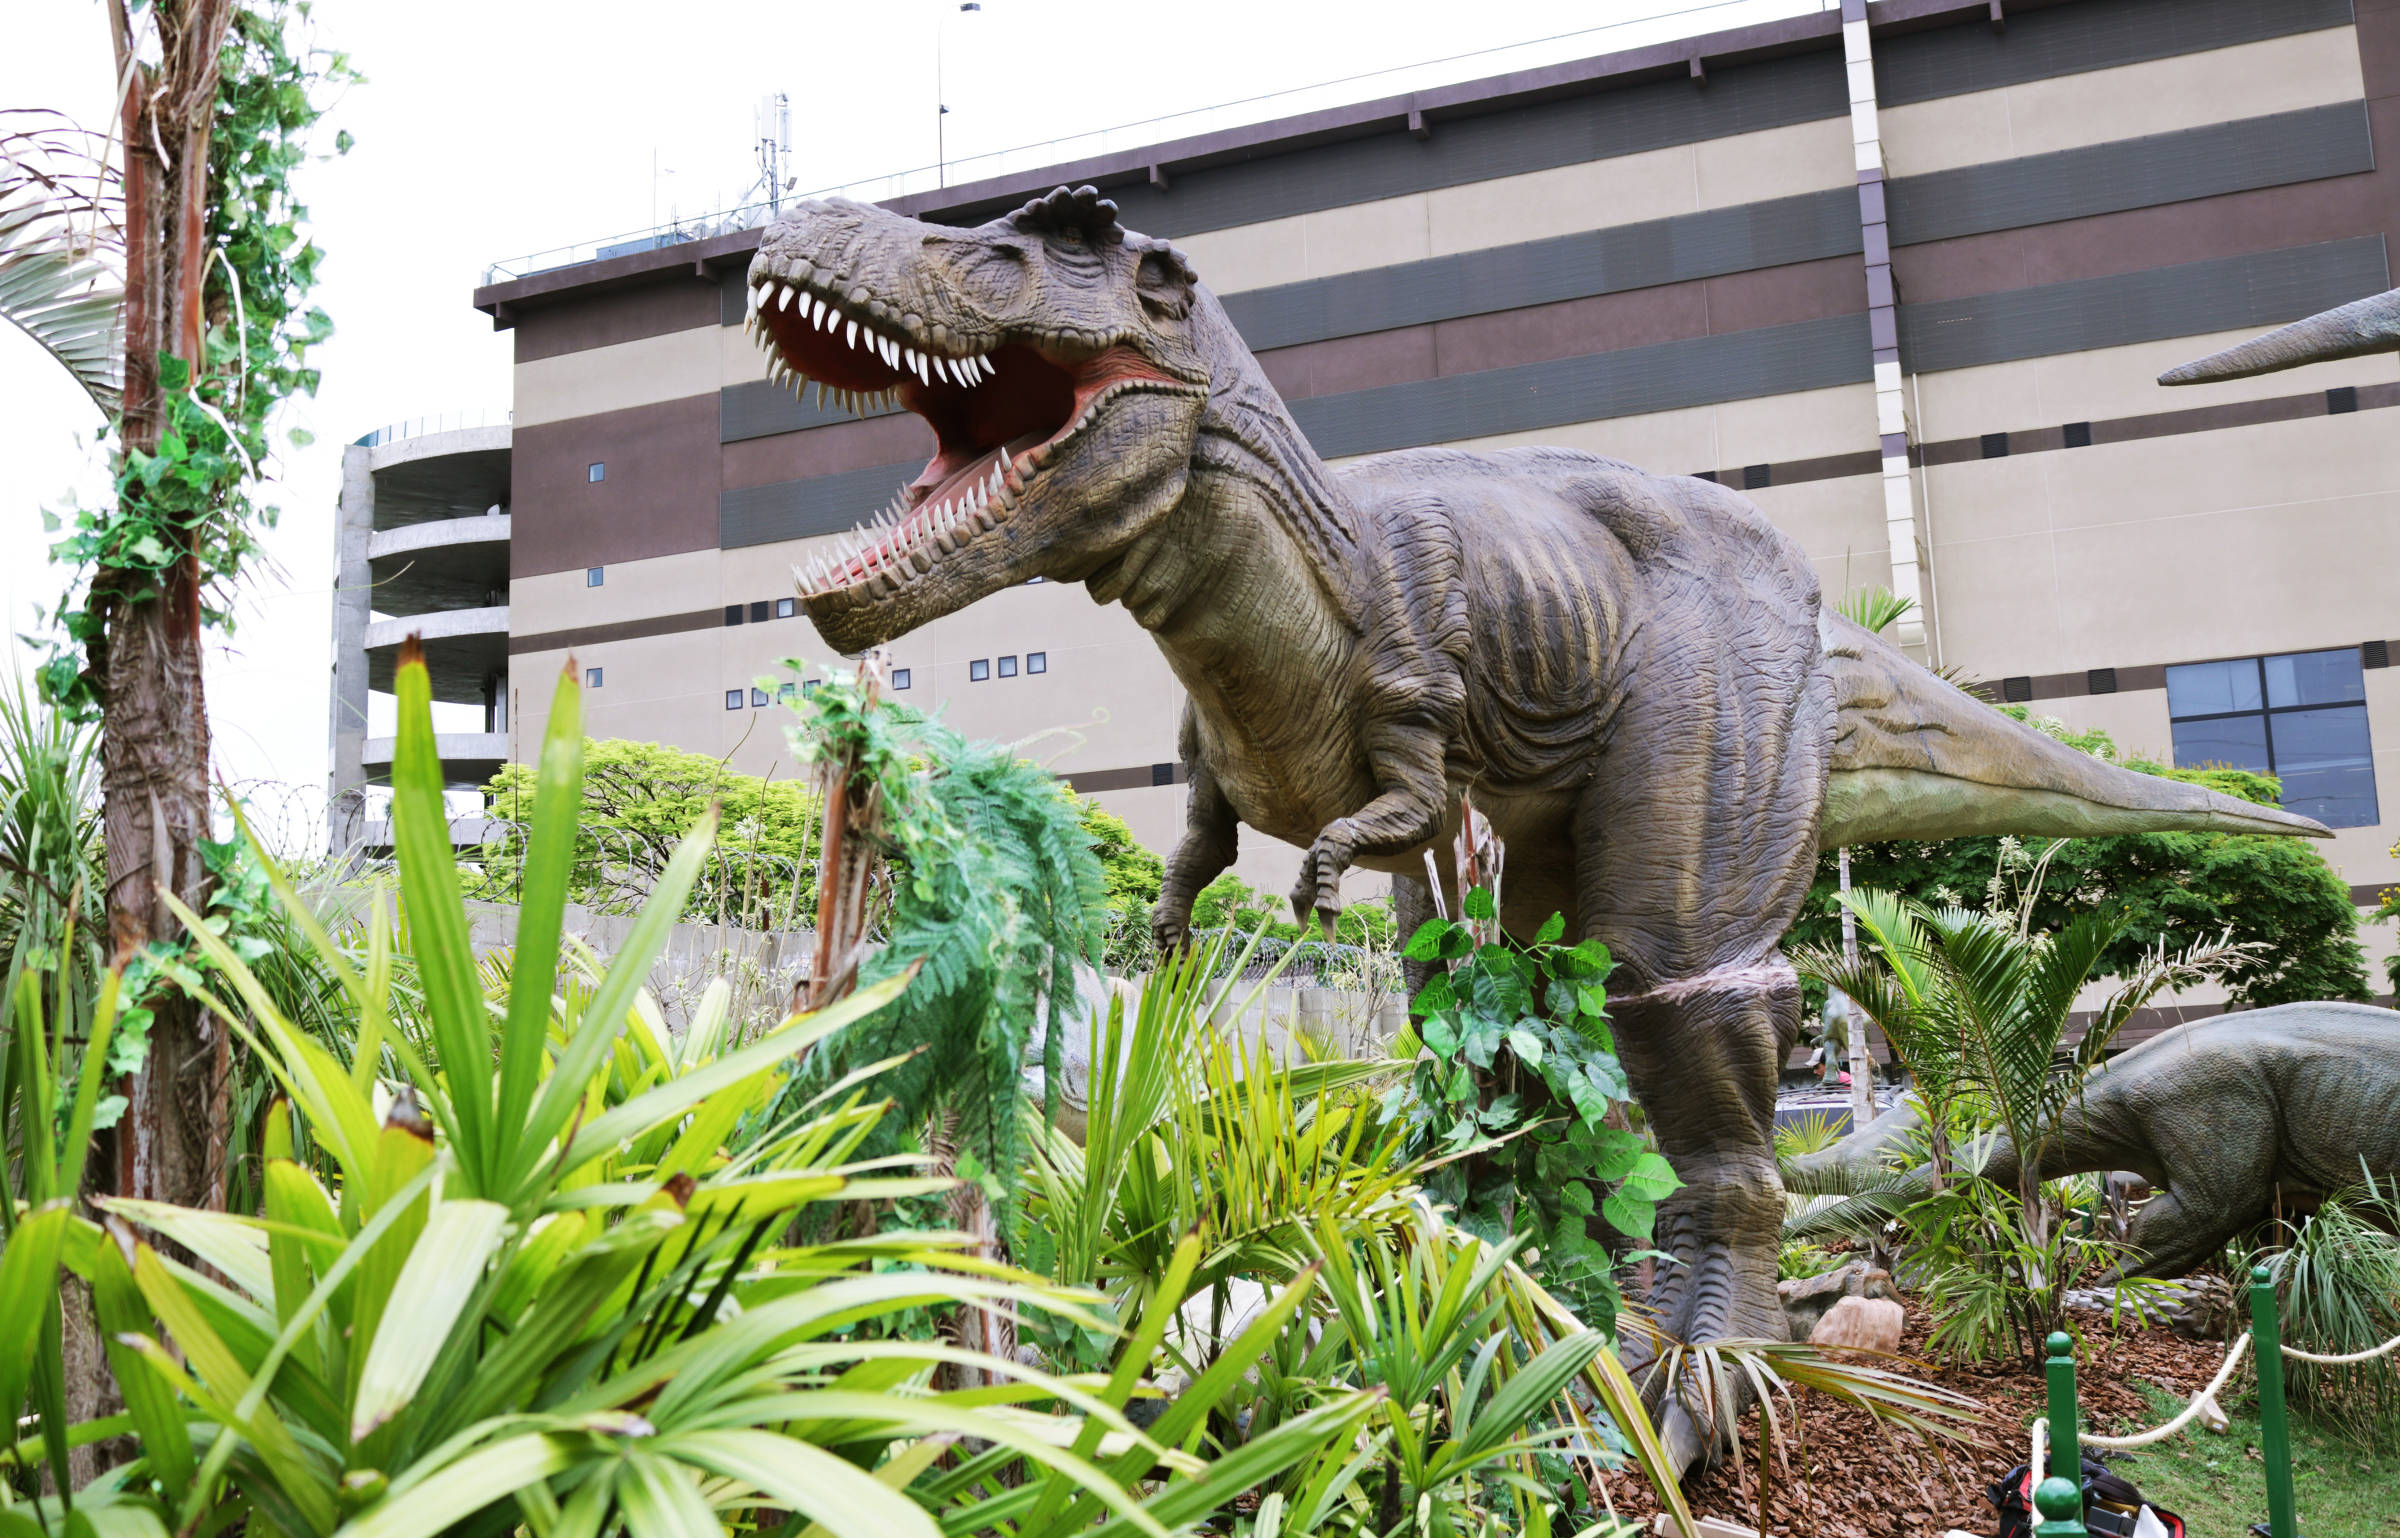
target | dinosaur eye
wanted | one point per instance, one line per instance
(1164, 283)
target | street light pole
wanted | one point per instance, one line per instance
(941, 107)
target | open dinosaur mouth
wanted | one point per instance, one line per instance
(999, 413)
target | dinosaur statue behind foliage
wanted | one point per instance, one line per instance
(2229, 1118)
(1632, 675)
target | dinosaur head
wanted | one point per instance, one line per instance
(1054, 355)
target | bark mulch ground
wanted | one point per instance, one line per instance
(1849, 1480)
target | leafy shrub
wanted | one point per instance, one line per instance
(1515, 1090)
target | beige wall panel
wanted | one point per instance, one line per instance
(1802, 425)
(2275, 463)
(1807, 424)
(739, 357)
(666, 367)
(1998, 611)
(1987, 499)
(1832, 520)
(1248, 256)
(665, 584)
(1365, 235)
(2108, 382)
(1506, 210)
(2136, 722)
(2284, 74)
(2256, 579)
(1773, 163)
(1589, 195)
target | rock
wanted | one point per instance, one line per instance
(2203, 1308)
(1806, 1298)
(1860, 1324)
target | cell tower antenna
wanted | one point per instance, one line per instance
(773, 122)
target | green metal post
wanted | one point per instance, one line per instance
(2066, 1451)
(2274, 1434)
(2060, 1504)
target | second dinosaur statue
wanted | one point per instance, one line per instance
(1632, 675)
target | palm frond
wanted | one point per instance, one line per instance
(61, 243)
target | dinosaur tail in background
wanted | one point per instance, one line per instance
(1917, 758)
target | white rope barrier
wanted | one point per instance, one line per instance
(2386, 1349)
(2203, 1404)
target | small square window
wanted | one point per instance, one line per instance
(811, 686)
(1995, 445)
(1037, 662)
(759, 612)
(2340, 400)
(1008, 667)
(1756, 477)
(594, 576)
(1162, 774)
(785, 608)
(596, 473)
(733, 699)
(2017, 690)
(759, 697)
(591, 678)
(899, 678)
(979, 670)
(2077, 435)
(733, 614)
(786, 693)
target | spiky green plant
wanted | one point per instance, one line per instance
(2337, 1287)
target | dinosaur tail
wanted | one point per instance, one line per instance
(1916, 757)
(2354, 330)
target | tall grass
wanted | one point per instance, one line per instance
(2338, 1288)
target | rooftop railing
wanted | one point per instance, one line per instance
(442, 422)
(1559, 47)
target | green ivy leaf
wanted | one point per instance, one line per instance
(1629, 1214)
(1552, 927)
(1652, 1177)
(1436, 995)
(1615, 1151)
(1440, 1033)
(1479, 904)
(1426, 943)
(1527, 1046)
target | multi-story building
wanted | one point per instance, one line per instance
(1904, 272)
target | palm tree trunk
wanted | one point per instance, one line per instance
(154, 740)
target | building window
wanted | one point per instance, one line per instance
(1008, 667)
(733, 699)
(591, 678)
(2076, 435)
(1757, 477)
(594, 576)
(1037, 662)
(979, 670)
(2340, 400)
(759, 612)
(786, 693)
(733, 614)
(759, 697)
(811, 686)
(2301, 717)
(785, 608)
(1162, 774)
(596, 473)
(899, 678)
(1995, 445)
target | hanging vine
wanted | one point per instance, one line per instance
(198, 495)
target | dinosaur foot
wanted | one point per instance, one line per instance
(1718, 1289)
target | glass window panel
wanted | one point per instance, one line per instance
(2315, 678)
(899, 678)
(2237, 740)
(2205, 688)
(2327, 765)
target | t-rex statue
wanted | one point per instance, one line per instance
(1632, 675)
(2228, 1118)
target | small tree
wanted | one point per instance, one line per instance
(1977, 1004)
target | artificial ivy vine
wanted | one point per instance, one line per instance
(195, 496)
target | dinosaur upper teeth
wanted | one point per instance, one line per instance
(904, 358)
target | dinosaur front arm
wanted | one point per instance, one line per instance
(1407, 759)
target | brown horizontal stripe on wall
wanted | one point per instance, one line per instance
(892, 438)
(2160, 424)
(2063, 686)
(621, 630)
(2041, 43)
(1092, 781)
(658, 497)
(673, 300)
(2368, 894)
(2102, 245)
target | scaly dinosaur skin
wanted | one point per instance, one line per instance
(2355, 330)
(2226, 1117)
(1631, 674)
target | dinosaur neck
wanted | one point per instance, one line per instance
(1257, 496)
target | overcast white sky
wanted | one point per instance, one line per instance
(493, 129)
